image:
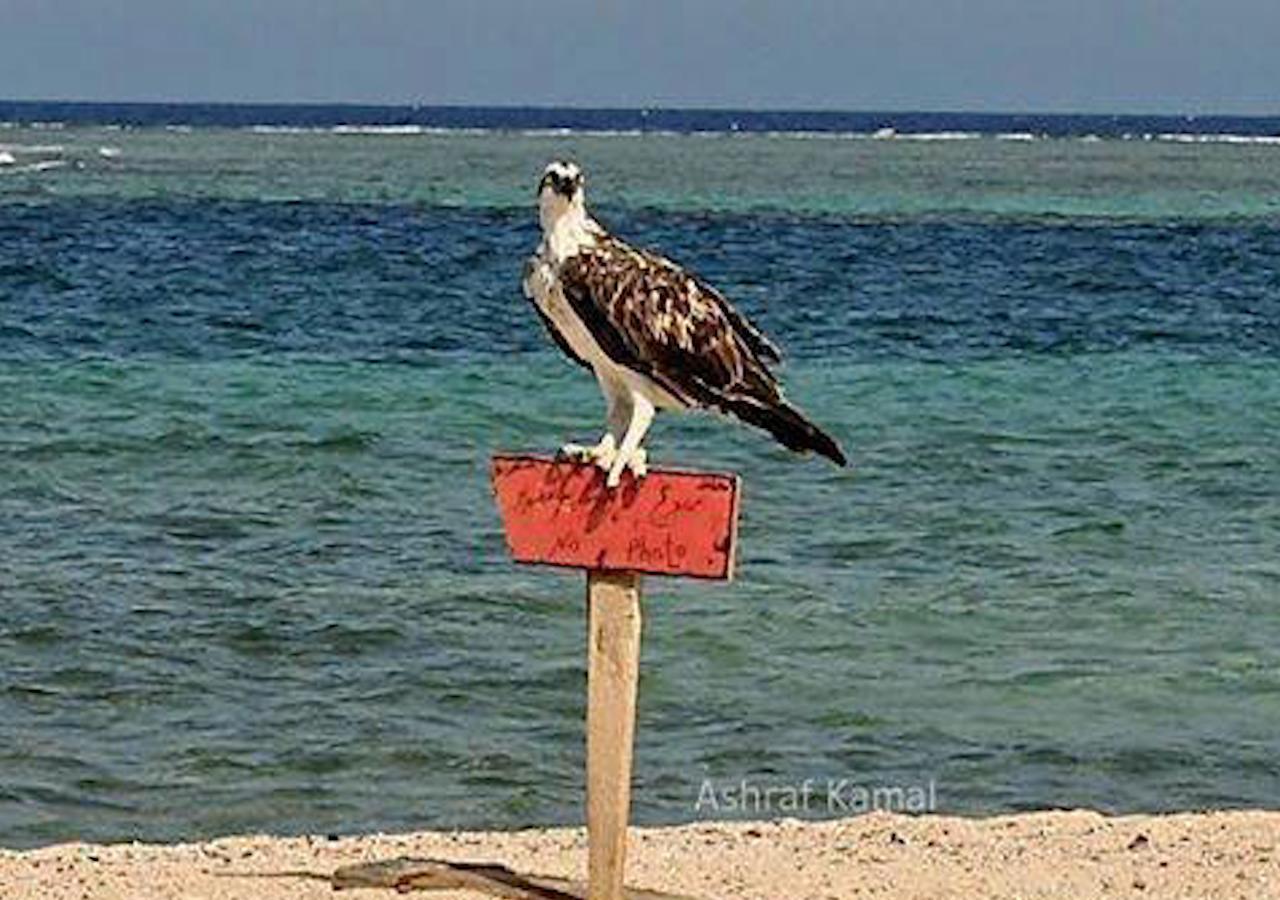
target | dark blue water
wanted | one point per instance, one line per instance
(208, 280)
(224, 115)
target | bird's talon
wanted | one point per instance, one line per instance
(639, 463)
(603, 454)
(575, 452)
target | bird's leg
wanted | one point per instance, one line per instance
(620, 412)
(605, 452)
(630, 456)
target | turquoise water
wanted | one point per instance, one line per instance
(788, 174)
(252, 578)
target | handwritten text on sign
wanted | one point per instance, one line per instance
(667, 523)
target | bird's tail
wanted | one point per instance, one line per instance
(788, 425)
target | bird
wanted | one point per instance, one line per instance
(655, 335)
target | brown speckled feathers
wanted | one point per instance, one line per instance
(653, 317)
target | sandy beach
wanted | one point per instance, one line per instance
(1061, 854)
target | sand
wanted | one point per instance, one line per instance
(1069, 854)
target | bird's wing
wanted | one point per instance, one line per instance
(650, 315)
(754, 337)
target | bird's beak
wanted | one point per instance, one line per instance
(542, 185)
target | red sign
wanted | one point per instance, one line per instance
(667, 523)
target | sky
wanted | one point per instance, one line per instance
(1156, 56)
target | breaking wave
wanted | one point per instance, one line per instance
(880, 134)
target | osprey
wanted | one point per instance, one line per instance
(655, 335)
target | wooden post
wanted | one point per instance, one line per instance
(613, 670)
(561, 513)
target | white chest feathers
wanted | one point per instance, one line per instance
(542, 285)
(565, 233)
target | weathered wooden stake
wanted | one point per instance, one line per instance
(670, 523)
(613, 670)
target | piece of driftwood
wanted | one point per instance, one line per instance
(405, 874)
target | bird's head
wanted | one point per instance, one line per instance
(560, 191)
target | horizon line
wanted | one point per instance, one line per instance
(573, 107)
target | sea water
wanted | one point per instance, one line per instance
(252, 579)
